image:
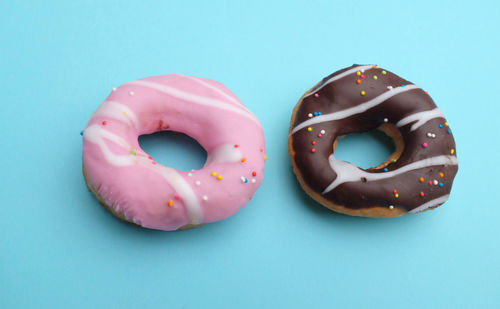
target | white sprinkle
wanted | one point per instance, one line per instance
(309, 115)
(114, 89)
(253, 180)
(435, 182)
(323, 132)
(363, 71)
(429, 134)
(386, 120)
(433, 135)
(189, 174)
(131, 93)
(242, 179)
(391, 207)
(389, 87)
(205, 197)
(197, 182)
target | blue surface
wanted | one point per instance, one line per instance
(59, 249)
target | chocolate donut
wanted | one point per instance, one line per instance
(416, 177)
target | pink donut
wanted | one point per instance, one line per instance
(135, 188)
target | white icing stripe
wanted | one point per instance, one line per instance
(96, 134)
(224, 153)
(193, 98)
(347, 172)
(219, 91)
(117, 111)
(339, 76)
(430, 203)
(355, 109)
(421, 118)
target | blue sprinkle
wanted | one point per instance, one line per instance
(402, 85)
(315, 114)
(319, 113)
(441, 184)
(386, 169)
(449, 131)
(246, 180)
(440, 126)
(81, 132)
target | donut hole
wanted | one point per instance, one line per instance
(372, 149)
(175, 150)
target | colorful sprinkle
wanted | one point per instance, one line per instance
(125, 113)
(254, 173)
(391, 206)
(190, 174)
(358, 73)
(131, 93)
(254, 180)
(375, 77)
(320, 135)
(243, 179)
(81, 133)
(440, 125)
(319, 113)
(104, 122)
(133, 153)
(386, 120)
(435, 182)
(396, 195)
(386, 169)
(170, 203)
(446, 123)
(313, 142)
(197, 182)
(265, 158)
(358, 81)
(114, 89)
(315, 113)
(219, 177)
(213, 174)
(424, 145)
(313, 150)
(205, 197)
(421, 179)
(244, 159)
(362, 76)
(441, 175)
(309, 129)
(452, 151)
(316, 95)
(236, 146)
(322, 131)
(389, 87)
(449, 131)
(430, 182)
(384, 72)
(177, 197)
(309, 115)
(394, 191)
(363, 92)
(422, 193)
(403, 85)
(441, 184)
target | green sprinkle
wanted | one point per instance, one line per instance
(375, 77)
(384, 72)
(132, 153)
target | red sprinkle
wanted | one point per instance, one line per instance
(430, 183)
(313, 142)
(313, 150)
(320, 135)
(177, 196)
(422, 194)
(254, 173)
(154, 162)
(424, 145)
(236, 146)
(104, 123)
(362, 76)
(395, 191)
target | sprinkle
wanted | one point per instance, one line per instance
(358, 73)
(384, 72)
(446, 124)
(394, 191)
(219, 177)
(170, 203)
(309, 129)
(315, 113)
(254, 181)
(246, 180)
(435, 182)
(81, 132)
(189, 174)
(363, 71)
(362, 76)
(430, 182)
(125, 113)
(375, 77)
(426, 92)
(316, 95)
(422, 193)
(177, 197)
(265, 158)
(313, 150)
(391, 206)
(133, 153)
(440, 125)
(235, 145)
(242, 179)
(309, 115)
(452, 151)
(386, 169)
(254, 173)
(386, 120)
(358, 81)
(396, 195)
(441, 184)
(320, 135)
(313, 142)
(244, 159)
(389, 87)
(205, 197)
(441, 175)
(114, 89)
(197, 182)
(449, 131)
(150, 158)
(403, 85)
(394, 160)
(154, 163)
(319, 113)
(363, 92)
(421, 179)
(323, 131)
(374, 66)
(424, 145)
(261, 150)
(193, 220)
(213, 174)
(131, 93)
(104, 123)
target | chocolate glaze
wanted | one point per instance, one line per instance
(345, 93)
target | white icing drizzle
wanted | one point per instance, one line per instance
(224, 153)
(193, 98)
(347, 172)
(430, 203)
(96, 134)
(117, 111)
(219, 91)
(421, 118)
(361, 108)
(339, 76)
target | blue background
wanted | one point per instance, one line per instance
(59, 249)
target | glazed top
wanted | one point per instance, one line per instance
(159, 197)
(362, 98)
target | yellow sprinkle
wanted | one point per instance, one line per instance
(309, 129)
(214, 174)
(219, 177)
(394, 160)
(125, 113)
(384, 72)
(170, 203)
(265, 158)
(193, 220)
(396, 195)
(358, 73)
(363, 92)
(243, 159)
(452, 151)
(446, 124)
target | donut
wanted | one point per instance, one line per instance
(135, 188)
(416, 177)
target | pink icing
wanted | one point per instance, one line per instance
(158, 197)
